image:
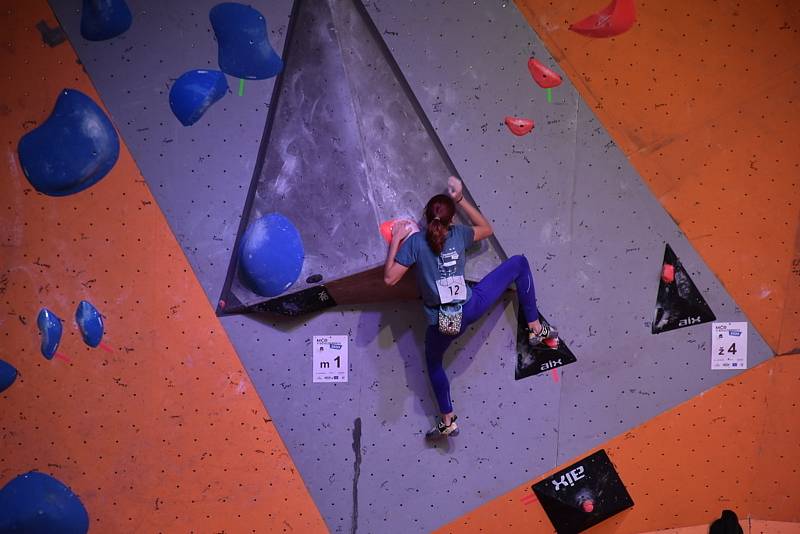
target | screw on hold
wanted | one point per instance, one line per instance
(51, 36)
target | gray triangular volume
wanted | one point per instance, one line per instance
(679, 302)
(346, 147)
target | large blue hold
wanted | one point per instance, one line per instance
(244, 50)
(50, 329)
(35, 503)
(104, 19)
(72, 150)
(271, 256)
(194, 92)
(7, 375)
(90, 323)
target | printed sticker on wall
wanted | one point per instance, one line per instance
(729, 346)
(330, 358)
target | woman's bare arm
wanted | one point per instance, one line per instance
(480, 225)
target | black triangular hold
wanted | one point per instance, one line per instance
(532, 361)
(346, 147)
(583, 494)
(679, 302)
(309, 300)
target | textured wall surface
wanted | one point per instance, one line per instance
(565, 195)
(164, 432)
(703, 98)
(733, 447)
(159, 429)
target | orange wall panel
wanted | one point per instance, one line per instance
(160, 430)
(734, 447)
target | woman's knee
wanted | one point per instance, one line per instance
(520, 260)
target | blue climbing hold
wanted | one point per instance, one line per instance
(271, 255)
(104, 19)
(50, 329)
(36, 503)
(90, 323)
(7, 375)
(72, 150)
(194, 92)
(244, 50)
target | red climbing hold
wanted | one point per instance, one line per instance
(386, 230)
(618, 17)
(386, 227)
(542, 75)
(668, 273)
(519, 126)
(588, 506)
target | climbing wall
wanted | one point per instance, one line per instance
(720, 161)
(704, 109)
(733, 447)
(565, 195)
(159, 428)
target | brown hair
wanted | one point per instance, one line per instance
(439, 213)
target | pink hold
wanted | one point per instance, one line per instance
(587, 506)
(668, 273)
(616, 18)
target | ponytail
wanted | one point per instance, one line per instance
(439, 213)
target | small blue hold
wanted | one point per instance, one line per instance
(104, 19)
(271, 255)
(7, 375)
(194, 92)
(90, 323)
(72, 150)
(50, 329)
(36, 503)
(244, 50)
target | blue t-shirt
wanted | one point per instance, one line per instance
(433, 270)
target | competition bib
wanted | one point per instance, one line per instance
(452, 288)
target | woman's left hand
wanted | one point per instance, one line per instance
(455, 188)
(401, 230)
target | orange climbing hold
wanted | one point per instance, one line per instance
(542, 75)
(386, 227)
(618, 17)
(518, 125)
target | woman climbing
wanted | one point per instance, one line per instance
(450, 305)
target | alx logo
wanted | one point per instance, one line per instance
(569, 478)
(690, 321)
(550, 364)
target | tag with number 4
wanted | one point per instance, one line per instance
(729, 346)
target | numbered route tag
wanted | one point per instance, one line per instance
(330, 359)
(452, 288)
(729, 346)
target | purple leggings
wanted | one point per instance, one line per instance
(484, 294)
